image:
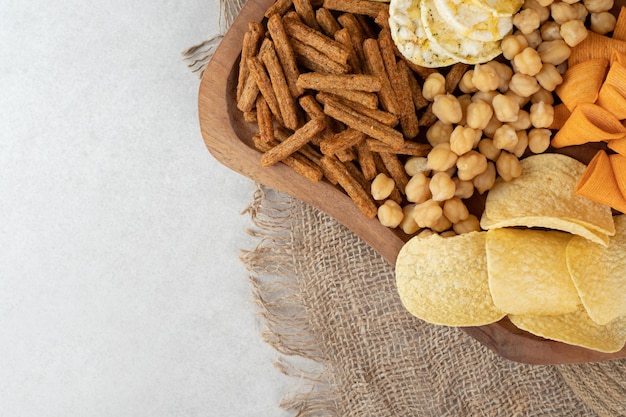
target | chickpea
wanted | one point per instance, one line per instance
(545, 3)
(598, 6)
(427, 214)
(382, 186)
(505, 138)
(554, 52)
(486, 96)
(512, 45)
(485, 77)
(487, 148)
(447, 108)
(523, 85)
(441, 186)
(465, 101)
(462, 140)
(505, 73)
(550, 31)
(478, 114)
(441, 158)
(416, 165)
(505, 108)
(442, 224)
(602, 23)
(539, 140)
(542, 10)
(471, 164)
(527, 20)
(408, 224)
(464, 189)
(549, 77)
(581, 10)
(528, 61)
(522, 143)
(541, 114)
(533, 38)
(438, 133)
(471, 224)
(483, 182)
(508, 166)
(522, 101)
(434, 85)
(572, 2)
(390, 214)
(455, 210)
(523, 121)
(465, 84)
(417, 190)
(573, 32)
(563, 12)
(542, 95)
(492, 126)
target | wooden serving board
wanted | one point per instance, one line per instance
(229, 139)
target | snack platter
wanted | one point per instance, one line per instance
(229, 138)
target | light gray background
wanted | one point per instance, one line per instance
(121, 292)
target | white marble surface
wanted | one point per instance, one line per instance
(121, 292)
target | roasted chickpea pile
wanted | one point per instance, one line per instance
(500, 111)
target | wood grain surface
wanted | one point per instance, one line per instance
(229, 139)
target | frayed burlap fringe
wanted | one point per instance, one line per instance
(198, 56)
(329, 306)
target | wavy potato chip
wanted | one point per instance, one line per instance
(444, 280)
(544, 196)
(599, 274)
(528, 272)
(577, 329)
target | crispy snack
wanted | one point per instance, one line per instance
(286, 102)
(357, 37)
(561, 114)
(588, 123)
(376, 66)
(280, 7)
(327, 21)
(297, 162)
(325, 82)
(285, 53)
(416, 91)
(264, 119)
(408, 148)
(620, 26)
(428, 117)
(619, 146)
(250, 47)
(314, 60)
(316, 39)
(350, 185)
(346, 155)
(595, 46)
(454, 75)
(399, 80)
(250, 116)
(364, 123)
(599, 182)
(582, 82)
(366, 7)
(257, 70)
(343, 36)
(249, 93)
(306, 13)
(296, 141)
(366, 160)
(313, 110)
(340, 141)
(382, 116)
(368, 100)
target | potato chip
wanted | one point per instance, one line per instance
(598, 274)
(544, 196)
(528, 272)
(444, 280)
(576, 329)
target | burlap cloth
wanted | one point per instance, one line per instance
(329, 306)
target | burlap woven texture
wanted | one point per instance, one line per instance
(326, 296)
